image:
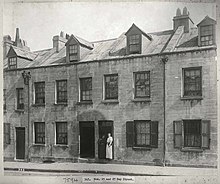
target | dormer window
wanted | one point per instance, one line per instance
(73, 52)
(135, 44)
(206, 33)
(12, 62)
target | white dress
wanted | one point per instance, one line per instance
(109, 148)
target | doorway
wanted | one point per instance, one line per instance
(20, 143)
(105, 127)
(87, 139)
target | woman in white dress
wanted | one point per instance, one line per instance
(109, 147)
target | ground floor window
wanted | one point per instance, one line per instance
(192, 134)
(142, 133)
(61, 133)
(39, 132)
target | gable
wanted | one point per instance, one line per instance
(11, 53)
(207, 21)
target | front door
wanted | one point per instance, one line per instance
(105, 127)
(20, 143)
(87, 139)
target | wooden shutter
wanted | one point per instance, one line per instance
(6, 133)
(205, 134)
(177, 127)
(130, 133)
(154, 134)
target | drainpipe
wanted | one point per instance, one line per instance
(164, 60)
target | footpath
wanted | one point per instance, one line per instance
(109, 168)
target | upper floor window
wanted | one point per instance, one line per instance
(61, 91)
(142, 84)
(12, 62)
(111, 86)
(61, 133)
(86, 89)
(20, 98)
(4, 99)
(134, 44)
(73, 52)
(39, 92)
(6, 133)
(192, 134)
(142, 133)
(192, 84)
(39, 132)
(206, 35)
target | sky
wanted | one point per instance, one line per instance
(39, 22)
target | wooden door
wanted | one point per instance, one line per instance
(20, 143)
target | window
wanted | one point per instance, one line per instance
(134, 44)
(61, 133)
(39, 131)
(142, 133)
(12, 62)
(73, 50)
(39, 92)
(86, 89)
(192, 134)
(20, 98)
(142, 84)
(206, 35)
(4, 99)
(192, 81)
(61, 86)
(111, 86)
(6, 133)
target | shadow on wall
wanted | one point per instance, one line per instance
(91, 115)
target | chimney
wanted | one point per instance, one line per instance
(17, 38)
(59, 41)
(182, 20)
(7, 43)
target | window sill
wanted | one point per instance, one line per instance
(192, 98)
(84, 102)
(64, 104)
(192, 150)
(38, 105)
(141, 100)
(141, 148)
(110, 101)
(43, 145)
(61, 145)
(19, 110)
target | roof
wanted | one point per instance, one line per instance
(23, 53)
(206, 20)
(161, 42)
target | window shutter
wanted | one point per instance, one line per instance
(6, 133)
(177, 127)
(205, 134)
(154, 134)
(130, 133)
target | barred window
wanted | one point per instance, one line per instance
(39, 130)
(134, 44)
(111, 86)
(192, 81)
(6, 133)
(12, 62)
(86, 89)
(39, 92)
(20, 98)
(73, 52)
(61, 86)
(61, 133)
(206, 37)
(142, 84)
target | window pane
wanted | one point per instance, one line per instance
(61, 133)
(12, 62)
(86, 89)
(142, 84)
(20, 99)
(142, 130)
(111, 87)
(206, 35)
(61, 91)
(134, 44)
(39, 132)
(40, 92)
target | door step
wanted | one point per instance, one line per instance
(48, 159)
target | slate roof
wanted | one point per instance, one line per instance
(24, 53)
(164, 41)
